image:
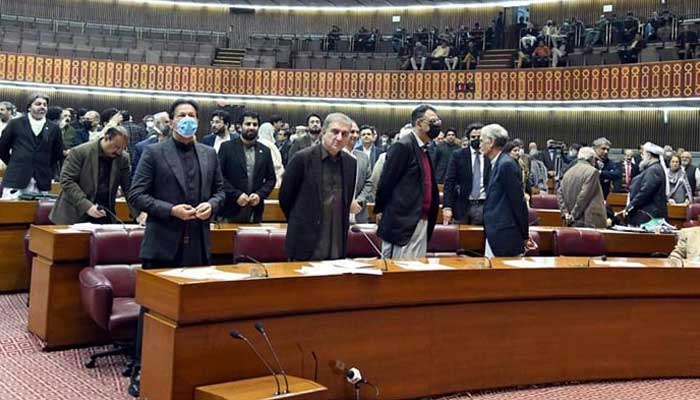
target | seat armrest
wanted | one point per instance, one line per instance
(97, 295)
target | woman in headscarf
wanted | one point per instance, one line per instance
(680, 192)
(648, 190)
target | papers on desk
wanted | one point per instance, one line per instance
(420, 266)
(540, 263)
(204, 273)
(90, 227)
(623, 228)
(338, 267)
(67, 230)
(623, 264)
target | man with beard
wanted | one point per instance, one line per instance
(443, 152)
(609, 170)
(248, 171)
(220, 125)
(31, 147)
(466, 181)
(649, 190)
(5, 114)
(316, 194)
(313, 123)
(84, 199)
(691, 171)
(407, 200)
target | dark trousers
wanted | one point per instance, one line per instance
(473, 214)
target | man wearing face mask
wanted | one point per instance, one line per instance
(84, 199)
(321, 172)
(90, 126)
(178, 184)
(32, 148)
(443, 152)
(691, 171)
(465, 182)
(158, 132)
(648, 190)
(248, 171)
(407, 199)
(313, 124)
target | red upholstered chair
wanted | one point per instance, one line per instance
(532, 218)
(535, 238)
(578, 242)
(264, 245)
(41, 217)
(544, 201)
(358, 245)
(692, 216)
(444, 242)
(108, 286)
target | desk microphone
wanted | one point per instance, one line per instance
(244, 258)
(113, 215)
(261, 328)
(356, 229)
(238, 335)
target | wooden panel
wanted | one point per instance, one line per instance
(261, 388)
(17, 211)
(14, 275)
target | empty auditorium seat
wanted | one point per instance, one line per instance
(444, 241)
(544, 201)
(692, 215)
(648, 54)
(532, 218)
(265, 245)
(578, 242)
(358, 246)
(250, 61)
(46, 49)
(362, 62)
(668, 54)
(168, 57)
(575, 59)
(593, 59)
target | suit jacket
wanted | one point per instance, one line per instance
(648, 196)
(79, 180)
(159, 184)
(581, 195)
(608, 174)
(690, 173)
(443, 153)
(32, 156)
(400, 192)
(208, 140)
(233, 168)
(364, 188)
(139, 149)
(458, 181)
(505, 210)
(688, 245)
(137, 133)
(619, 185)
(547, 159)
(300, 200)
(299, 144)
(374, 153)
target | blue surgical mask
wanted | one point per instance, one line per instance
(187, 126)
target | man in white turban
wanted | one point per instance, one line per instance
(648, 195)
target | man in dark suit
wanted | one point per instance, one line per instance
(220, 127)
(158, 133)
(137, 132)
(316, 193)
(609, 170)
(648, 196)
(368, 138)
(551, 156)
(364, 189)
(465, 186)
(443, 153)
(629, 168)
(32, 148)
(690, 170)
(407, 200)
(90, 177)
(313, 124)
(248, 171)
(178, 184)
(505, 210)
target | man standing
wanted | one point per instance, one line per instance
(31, 147)
(137, 132)
(364, 190)
(178, 184)
(629, 169)
(580, 194)
(609, 170)
(5, 114)
(283, 144)
(407, 197)
(220, 124)
(691, 171)
(505, 210)
(368, 137)
(248, 171)
(316, 194)
(90, 177)
(466, 181)
(443, 153)
(158, 133)
(313, 123)
(648, 196)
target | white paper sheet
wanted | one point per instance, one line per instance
(347, 263)
(67, 230)
(90, 227)
(325, 268)
(204, 273)
(621, 264)
(419, 266)
(545, 263)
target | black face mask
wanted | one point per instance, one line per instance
(434, 131)
(475, 143)
(165, 131)
(87, 125)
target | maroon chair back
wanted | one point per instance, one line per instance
(578, 242)
(532, 218)
(693, 212)
(262, 244)
(115, 247)
(358, 246)
(43, 210)
(445, 239)
(544, 201)
(535, 236)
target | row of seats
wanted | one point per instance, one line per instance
(359, 61)
(309, 42)
(611, 56)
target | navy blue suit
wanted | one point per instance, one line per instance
(505, 210)
(208, 140)
(139, 149)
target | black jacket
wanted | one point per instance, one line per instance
(32, 156)
(458, 181)
(400, 194)
(647, 198)
(690, 173)
(300, 200)
(159, 184)
(441, 160)
(609, 173)
(233, 168)
(505, 210)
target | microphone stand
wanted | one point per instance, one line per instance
(113, 215)
(238, 335)
(356, 229)
(261, 328)
(244, 257)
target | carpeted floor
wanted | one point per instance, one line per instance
(27, 373)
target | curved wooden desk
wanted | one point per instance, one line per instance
(418, 334)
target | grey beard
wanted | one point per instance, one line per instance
(646, 163)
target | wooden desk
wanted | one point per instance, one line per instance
(677, 214)
(15, 218)
(420, 334)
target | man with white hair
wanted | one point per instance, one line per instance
(580, 195)
(649, 190)
(505, 210)
(609, 170)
